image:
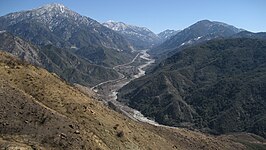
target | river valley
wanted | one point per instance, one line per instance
(108, 90)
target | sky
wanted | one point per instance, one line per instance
(159, 15)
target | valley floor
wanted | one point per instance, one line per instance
(108, 90)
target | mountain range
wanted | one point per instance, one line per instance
(57, 60)
(218, 87)
(201, 31)
(41, 111)
(208, 78)
(54, 24)
(77, 48)
(139, 37)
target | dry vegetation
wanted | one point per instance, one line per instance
(41, 111)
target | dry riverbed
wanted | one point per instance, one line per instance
(107, 90)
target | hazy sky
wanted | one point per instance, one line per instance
(159, 15)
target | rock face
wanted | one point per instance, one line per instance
(139, 37)
(199, 32)
(41, 111)
(218, 87)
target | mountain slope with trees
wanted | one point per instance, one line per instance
(199, 32)
(55, 24)
(218, 87)
(65, 63)
(41, 111)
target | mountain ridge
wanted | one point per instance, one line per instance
(139, 37)
(57, 25)
(167, 34)
(198, 32)
(214, 86)
(60, 61)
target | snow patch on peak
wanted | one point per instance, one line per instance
(117, 26)
(53, 6)
(198, 38)
(121, 26)
(110, 21)
(51, 15)
(3, 31)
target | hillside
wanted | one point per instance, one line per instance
(65, 63)
(218, 87)
(41, 111)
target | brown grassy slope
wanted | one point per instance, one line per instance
(39, 110)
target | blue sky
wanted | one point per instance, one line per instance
(159, 15)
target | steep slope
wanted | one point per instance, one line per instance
(218, 87)
(167, 34)
(201, 31)
(57, 25)
(60, 61)
(40, 111)
(139, 37)
(19, 48)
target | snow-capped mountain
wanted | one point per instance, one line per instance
(51, 15)
(76, 47)
(139, 37)
(201, 31)
(167, 34)
(58, 25)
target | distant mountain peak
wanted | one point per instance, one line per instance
(117, 26)
(166, 34)
(50, 15)
(54, 9)
(61, 27)
(54, 6)
(216, 23)
(111, 21)
(48, 10)
(201, 31)
(139, 37)
(204, 21)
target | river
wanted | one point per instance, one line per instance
(127, 72)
